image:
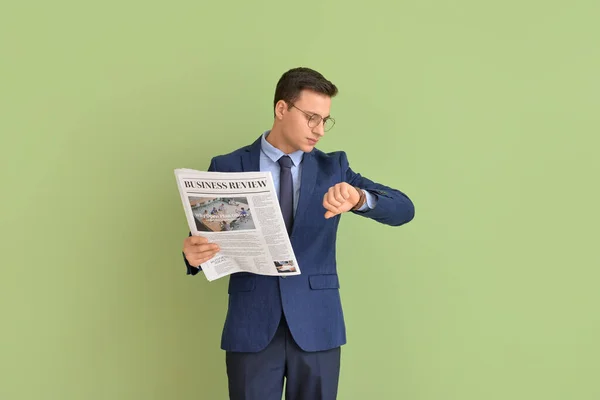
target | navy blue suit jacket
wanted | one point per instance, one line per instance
(310, 301)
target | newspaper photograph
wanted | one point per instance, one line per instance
(240, 212)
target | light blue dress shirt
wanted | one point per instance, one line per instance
(269, 155)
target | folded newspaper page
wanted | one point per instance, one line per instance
(240, 212)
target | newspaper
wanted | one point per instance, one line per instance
(240, 212)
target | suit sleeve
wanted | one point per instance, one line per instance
(193, 270)
(392, 206)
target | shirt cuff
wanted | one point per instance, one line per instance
(370, 203)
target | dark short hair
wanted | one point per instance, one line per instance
(295, 80)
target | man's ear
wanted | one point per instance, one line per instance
(281, 108)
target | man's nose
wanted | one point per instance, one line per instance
(319, 129)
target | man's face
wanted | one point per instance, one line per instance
(297, 134)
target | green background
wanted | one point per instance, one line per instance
(484, 113)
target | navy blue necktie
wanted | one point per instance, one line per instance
(286, 192)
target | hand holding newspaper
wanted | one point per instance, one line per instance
(240, 212)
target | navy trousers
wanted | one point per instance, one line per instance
(260, 376)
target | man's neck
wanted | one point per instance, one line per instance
(275, 138)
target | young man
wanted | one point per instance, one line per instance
(292, 327)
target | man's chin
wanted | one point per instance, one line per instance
(307, 148)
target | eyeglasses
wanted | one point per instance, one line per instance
(315, 119)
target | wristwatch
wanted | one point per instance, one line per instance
(361, 200)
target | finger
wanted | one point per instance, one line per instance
(189, 245)
(328, 206)
(332, 212)
(200, 260)
(345, 191)
(331, 197)
(195, 260)
(208, 248)
(339, 196)
(195, 250)
(196, 240)
(202, 257)
(329, 214)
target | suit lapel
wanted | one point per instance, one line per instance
(251, 157)
(308, 181)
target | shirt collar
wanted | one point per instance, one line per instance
(275, 154)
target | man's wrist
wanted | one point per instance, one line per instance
(361, 199)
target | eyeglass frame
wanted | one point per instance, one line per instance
(312, 116)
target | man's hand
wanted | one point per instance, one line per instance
(340, 198)
(197, 250)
